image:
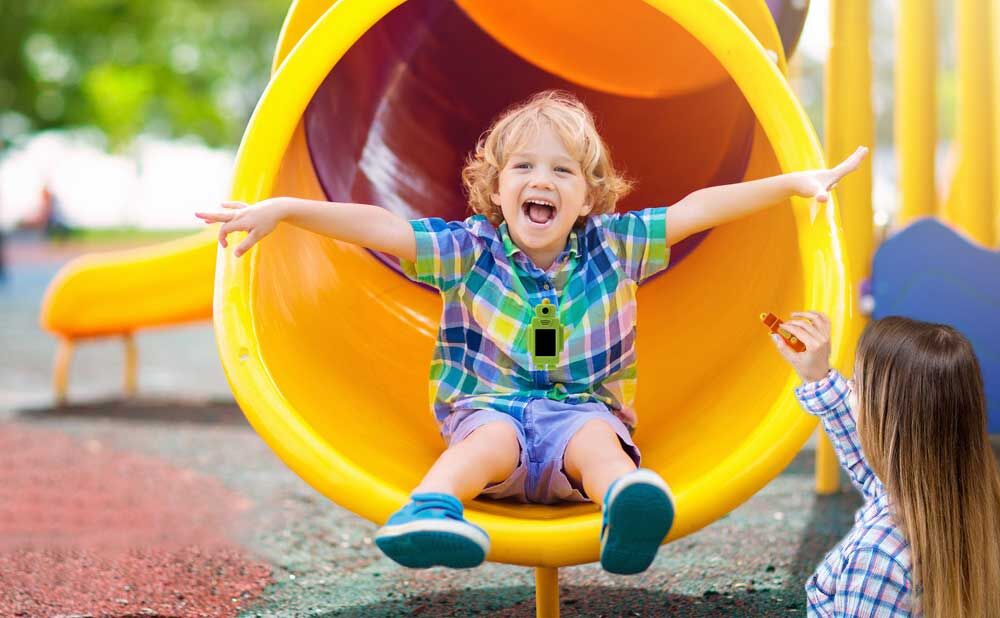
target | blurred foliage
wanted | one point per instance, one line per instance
(172, 68)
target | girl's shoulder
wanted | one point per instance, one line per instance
(880, 543)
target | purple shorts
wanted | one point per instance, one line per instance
(544, 435)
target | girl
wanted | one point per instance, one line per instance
(911, 433)
(536, 416)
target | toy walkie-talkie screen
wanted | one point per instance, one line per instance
(545, 342)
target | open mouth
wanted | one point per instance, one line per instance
(539, 212)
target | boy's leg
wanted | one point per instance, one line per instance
(488, 455)
(638, 507)
(431, 529)
(594, 459)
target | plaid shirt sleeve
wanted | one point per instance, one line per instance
(872, 584)
(446, 251)
(639, 239)
(829, 400)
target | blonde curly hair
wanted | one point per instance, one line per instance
(574, 124)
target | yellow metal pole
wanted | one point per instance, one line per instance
(916, 108)
(994, 39)
(972, 211)
(131, 365)
(60, 370)
(849, 124)
(546, 592)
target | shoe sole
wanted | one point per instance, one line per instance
(425, 544)
(640, 516)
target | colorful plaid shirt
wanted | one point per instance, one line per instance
(868, 572)
(490, 289)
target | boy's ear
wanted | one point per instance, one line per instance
(495, 198)
(587, 205)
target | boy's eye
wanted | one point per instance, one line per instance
(522, 166)
(565, 170)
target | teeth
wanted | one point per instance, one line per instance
(540, 203)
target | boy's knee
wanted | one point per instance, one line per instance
(597, 429)
(595, 440)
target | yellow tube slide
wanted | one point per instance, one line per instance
(327, 347)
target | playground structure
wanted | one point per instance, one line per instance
(378, 102)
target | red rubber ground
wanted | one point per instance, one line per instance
(78, 520)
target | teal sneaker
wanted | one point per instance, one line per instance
(431, 531)
(638, 514)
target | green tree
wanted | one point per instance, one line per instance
(183, 67)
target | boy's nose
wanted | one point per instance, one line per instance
(541, 180)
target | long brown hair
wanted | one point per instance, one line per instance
(922, 426)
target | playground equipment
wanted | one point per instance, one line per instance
(941, 263)
(326, 345)
(118, 293)
(930, 272)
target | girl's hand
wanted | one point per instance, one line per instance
(819, 183)
(812, 329)
(258, 220)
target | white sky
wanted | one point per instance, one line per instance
(155, 184)
(815, 38)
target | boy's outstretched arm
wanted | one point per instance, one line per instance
(712, 206)
(359, 224)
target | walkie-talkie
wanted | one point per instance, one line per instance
(546, 337)
(773, 323)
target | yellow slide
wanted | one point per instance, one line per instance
(123, 291)
(327, 347)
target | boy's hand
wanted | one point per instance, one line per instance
(258, 220)
(819, 183)
(812, 329)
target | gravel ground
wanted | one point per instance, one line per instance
(195, 499)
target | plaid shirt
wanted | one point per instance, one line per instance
(490, 289)
(868, 572)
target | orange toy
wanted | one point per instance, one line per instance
(774, 323)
